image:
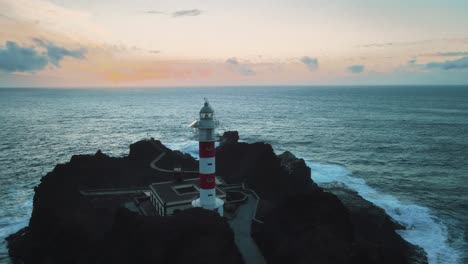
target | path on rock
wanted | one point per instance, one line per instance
(241, 225)
(160, 156)
(153, 163)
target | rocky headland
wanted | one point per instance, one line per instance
(299, 222)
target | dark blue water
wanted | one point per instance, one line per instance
(403, 148)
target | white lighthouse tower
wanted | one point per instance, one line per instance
(206, 132)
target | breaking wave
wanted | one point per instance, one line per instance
(422, 227)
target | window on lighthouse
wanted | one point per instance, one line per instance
(206, 115)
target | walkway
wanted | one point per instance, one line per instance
(241, 225)
(153, 163)
(113, 191)
(159, 157)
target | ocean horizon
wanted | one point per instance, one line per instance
(404, 148)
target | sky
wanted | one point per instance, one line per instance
(116, 43)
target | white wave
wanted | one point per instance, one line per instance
(13, 217)
(190, 147)
(11, 226)
(422, 227)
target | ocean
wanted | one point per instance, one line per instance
(404, 148)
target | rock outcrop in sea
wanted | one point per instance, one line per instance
(299, 222)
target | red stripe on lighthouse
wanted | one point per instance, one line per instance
(207, 181)
(207, 149)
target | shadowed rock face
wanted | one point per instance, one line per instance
(66, 228)
(229, 137)
(272, 177)
(320, 228)
(143, 152)
(191, 236)
(313, 228)
(375, 230)
(303, 223)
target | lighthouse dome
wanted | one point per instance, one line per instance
(206, 113)
(206, 108)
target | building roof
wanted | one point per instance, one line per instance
(171, 193)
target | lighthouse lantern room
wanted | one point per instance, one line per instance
(206, 138)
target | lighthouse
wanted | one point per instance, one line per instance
(207, 173)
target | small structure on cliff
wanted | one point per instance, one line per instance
(171, 197)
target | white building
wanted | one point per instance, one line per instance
(170, 197)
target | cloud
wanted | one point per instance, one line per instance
(311, 63)
(14, 58)
(462, 40)
(56, 53)
(355, 68)
(232, 61)
(234, 65)
(154, 12)
(449, 65)
(43, 17)
(179, 13)
(376, 45)
(191, 12)
(453, 53)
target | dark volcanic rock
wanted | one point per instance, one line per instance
(229, 137)
(323, 228)
(272, 177)
(372, 226)
(64, 227)
(313, 228)
(298, 174)
(191, 236)
(302, 222)
(144, 152)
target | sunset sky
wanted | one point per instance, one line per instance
(113, 43)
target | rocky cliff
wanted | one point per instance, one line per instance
(303, 223)
(66, 228)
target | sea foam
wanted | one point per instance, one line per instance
(11, 224)
(422, 227)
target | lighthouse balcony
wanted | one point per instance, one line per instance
(207, 134)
